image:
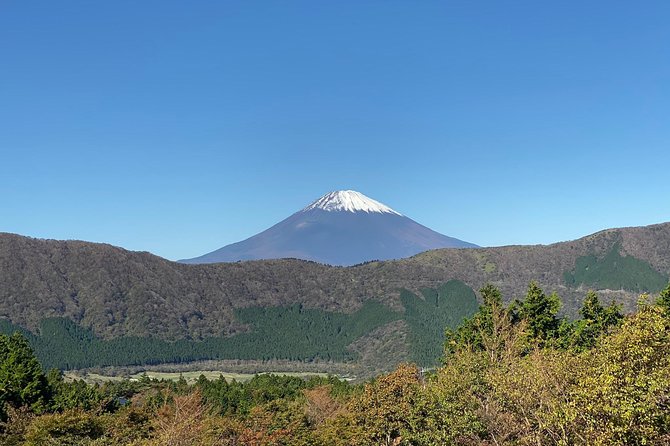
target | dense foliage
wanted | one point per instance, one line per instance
(118, 293)
(292, 332)
(615, 272)
(513, 374)
(21, 380)
(427, 318)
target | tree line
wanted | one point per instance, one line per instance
(515, 374)
(292, 332)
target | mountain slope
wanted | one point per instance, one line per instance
(340, 228)
(118, 292)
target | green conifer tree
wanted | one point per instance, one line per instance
(540, 310)
(22, 382)
(663, 300)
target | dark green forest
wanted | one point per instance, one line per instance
(615, 272)
(444, 307)
(292, 332)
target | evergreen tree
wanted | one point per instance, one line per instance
(22, 382)
(663, 300)
(473, 330)
(539, 311)
(595, 321)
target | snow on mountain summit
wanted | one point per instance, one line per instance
(349, 201)
(343, 227)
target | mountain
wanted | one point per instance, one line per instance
(341, 228)
(103, 303)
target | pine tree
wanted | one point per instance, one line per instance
(595, 321)
(22, 382)
(663, 300)
(540, 310)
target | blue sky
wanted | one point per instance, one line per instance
(178, 127)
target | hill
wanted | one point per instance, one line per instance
(113, 294)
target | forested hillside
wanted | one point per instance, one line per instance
(512, 375)
(104, 294)
(292, 333)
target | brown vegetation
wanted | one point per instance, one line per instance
(117, 292)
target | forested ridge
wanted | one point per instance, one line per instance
(512, 374)
(116, 293)
(293, 333)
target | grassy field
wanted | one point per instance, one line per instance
(190, 377)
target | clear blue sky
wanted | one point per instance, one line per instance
(177, 127)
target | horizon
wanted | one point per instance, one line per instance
(393, 210)
(178, 129)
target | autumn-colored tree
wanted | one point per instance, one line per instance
(462, 408)
(340, 430)
(129, 425)
(623, 396)
(452, 401)
(224, 431)
(72, 427)
(12, 431)
(320, 405)
(527, 401)
(386, 411)
(277, 423)
(180, 421)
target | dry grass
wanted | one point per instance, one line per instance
(190, 377)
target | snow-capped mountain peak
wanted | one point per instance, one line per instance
(349, 201)
(341, 228)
